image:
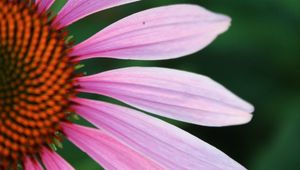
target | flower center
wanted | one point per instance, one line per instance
(36, 81)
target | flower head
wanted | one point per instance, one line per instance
(38, 88)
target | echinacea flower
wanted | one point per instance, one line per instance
(38, 88)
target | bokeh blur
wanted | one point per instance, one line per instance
(258, 59)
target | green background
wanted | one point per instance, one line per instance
(258, 59)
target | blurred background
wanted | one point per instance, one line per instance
(258, 59)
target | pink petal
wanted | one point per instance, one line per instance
(32, 164)
(75, 10)
(164, 143)
(159, 33)
(44, 5)
(171, 93)
(53, 161)
(104, 149)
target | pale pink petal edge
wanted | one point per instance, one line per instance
(171, 93)
(166, 144)
(158, 33)
(53, 161)
(107, 151)
(75, 10)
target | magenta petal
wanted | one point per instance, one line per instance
(77, 9)
(159, 33)
(171, 93)
(106, 150)
(164, 143)
(53, 161)
(44, 5)
(32, 164)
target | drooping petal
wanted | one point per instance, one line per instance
(159, 33)
(107, 151)
(164, 143)
(53, 161)
(74, 10)
(171, 93)
(44, 5)
(32, 164)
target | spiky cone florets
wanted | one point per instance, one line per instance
(36, 81)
